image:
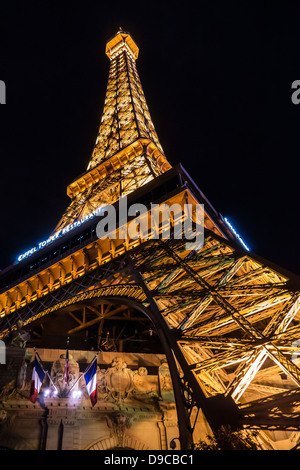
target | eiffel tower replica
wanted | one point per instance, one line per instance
(226, 320)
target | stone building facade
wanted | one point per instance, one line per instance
(135, 407)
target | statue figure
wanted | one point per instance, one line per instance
(118, 423)
(57, 374)
(20, 337)
(143, 389)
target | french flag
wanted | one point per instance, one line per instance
(38, 375)
(91, 381)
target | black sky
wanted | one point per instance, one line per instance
(217, 79)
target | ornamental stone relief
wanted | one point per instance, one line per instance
(118, 423)
(119, 382)
(57, 374)
(115, 384)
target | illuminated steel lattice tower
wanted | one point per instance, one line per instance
(127, 152)
(228, 320)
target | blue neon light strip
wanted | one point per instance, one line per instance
(236, 234)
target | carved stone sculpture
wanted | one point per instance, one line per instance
(118, 423)
(19, 337)
(119, 379)
(57, 374)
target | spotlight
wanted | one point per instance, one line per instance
(47, 392)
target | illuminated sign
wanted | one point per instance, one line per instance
(236, 234)
(58, 234)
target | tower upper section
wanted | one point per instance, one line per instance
(120, 42)
(127, 153)
(126, 116)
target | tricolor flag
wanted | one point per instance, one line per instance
(38, 375)
(91, 381)
(67, 368)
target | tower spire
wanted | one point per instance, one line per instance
(126, 116)
(127, 152)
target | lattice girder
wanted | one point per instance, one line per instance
(245, 308)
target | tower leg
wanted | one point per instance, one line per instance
(185, 431)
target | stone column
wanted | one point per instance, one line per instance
(52, 442)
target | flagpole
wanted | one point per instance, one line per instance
(83, 373)
(46, 372)
(67, 364)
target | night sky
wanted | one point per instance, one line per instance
(217, 78)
